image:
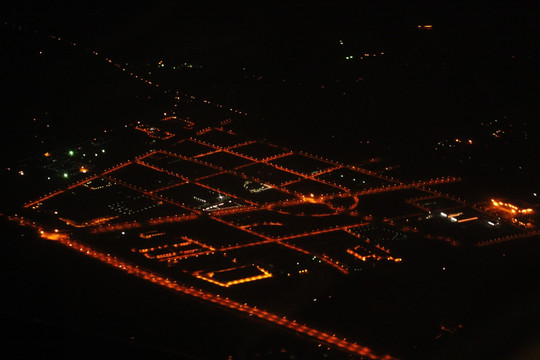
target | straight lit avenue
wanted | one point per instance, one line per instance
(324, 337)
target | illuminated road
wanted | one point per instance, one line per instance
(508, 238)
(243, 209)
(312, 333)
(390, 185)
(78, 183)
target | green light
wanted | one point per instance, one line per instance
(71, 153)
(66, 175)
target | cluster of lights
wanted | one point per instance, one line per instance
(154, 132)
(324, 337)
(151, 234)
(94, 222)
(210, 276)
(372, 256)
(509, 207)
(365, 55)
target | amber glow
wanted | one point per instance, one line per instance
(185, 248)
(318, 335)
(372, 256)
(508, 207)
(89, 223)
(154, 132)
(210, 277)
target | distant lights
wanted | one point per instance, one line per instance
(71, 153)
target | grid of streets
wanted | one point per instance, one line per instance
(216, 211)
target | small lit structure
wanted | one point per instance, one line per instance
(150, 234)
(519, 212)
(460, 216)
(511, 208)
(234, 276)
(155, 132)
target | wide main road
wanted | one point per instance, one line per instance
(310, 332)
